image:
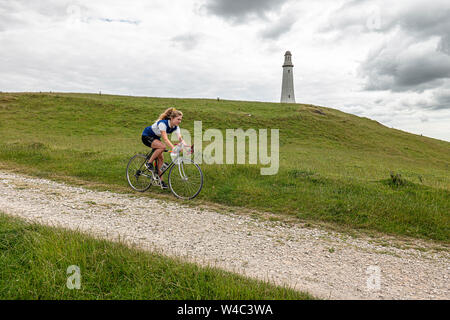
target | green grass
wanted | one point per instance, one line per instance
(334, 167)
(34, 260)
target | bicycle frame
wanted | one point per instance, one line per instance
(171, 164)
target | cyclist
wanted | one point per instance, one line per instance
(168, 122)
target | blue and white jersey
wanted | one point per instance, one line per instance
(160, 125)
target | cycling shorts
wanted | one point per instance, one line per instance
(147, 140)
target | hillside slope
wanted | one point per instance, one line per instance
(334, 167)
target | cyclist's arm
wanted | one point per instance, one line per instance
(180, 138)
(166, 139)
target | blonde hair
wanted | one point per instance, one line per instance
(170, 113)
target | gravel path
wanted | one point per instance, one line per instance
(323, 263)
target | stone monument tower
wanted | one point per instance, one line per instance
(287, 85)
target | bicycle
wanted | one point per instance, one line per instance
(185, 182)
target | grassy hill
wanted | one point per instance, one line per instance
(334, 167)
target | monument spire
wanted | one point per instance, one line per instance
(287, 84)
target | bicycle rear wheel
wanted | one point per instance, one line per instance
(138, 176)
(185, 179)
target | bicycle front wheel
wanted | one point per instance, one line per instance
(185, 179)
(139, 178)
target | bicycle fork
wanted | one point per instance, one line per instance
(181, 170)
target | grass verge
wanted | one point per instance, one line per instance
(34, 260)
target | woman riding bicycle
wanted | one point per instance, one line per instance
(168, 122)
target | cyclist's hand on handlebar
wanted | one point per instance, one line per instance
(174, 147)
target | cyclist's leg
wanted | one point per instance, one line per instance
(148, 142)
(160, 163)
(159, 149)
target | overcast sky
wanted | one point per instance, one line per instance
(385, 60)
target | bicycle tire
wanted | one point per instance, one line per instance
(195, 189)
(135, 170)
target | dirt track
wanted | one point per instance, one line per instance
(326, 264)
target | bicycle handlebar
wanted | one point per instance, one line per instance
(184, 147)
